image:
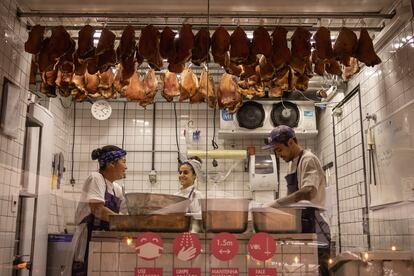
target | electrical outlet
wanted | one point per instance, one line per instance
(14, 203)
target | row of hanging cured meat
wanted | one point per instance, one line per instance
(265, 63)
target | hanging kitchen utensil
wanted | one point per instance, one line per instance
(60, 169)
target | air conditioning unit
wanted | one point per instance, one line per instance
(255, 119)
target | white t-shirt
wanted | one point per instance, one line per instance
(310, 173)
(195, 206)
(93, 190)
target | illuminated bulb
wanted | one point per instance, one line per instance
(129, 241)
(296, 259)
(330, 261)
(366, 256)
(393, 248)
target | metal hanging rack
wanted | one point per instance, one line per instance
(199, 20)
(126, 15)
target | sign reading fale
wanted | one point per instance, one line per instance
(187, 271)
(224, 246)
(148, 271)
(262, 272)
(261, 246)
(224, 272)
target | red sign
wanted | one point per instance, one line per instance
(186, 272)
(262, 271)
(148, 271)
(148, 246)
(261, 246)
(224, 246)
(186, 246)
(224, 271)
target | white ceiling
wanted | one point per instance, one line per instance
(278, 6)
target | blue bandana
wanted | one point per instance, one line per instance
(110, 156)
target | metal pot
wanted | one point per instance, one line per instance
(279, 220)
(153, 223)
(224, 214)
(149, 203)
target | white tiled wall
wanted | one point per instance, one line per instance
(384, 89)
(14, 65)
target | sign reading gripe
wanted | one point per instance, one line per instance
(262, 271)
(224, 272)
(186, 246)
(186, 271)
(148, 271)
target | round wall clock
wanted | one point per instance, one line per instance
(101, 110)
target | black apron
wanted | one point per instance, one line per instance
(312, 222)
(113, 203)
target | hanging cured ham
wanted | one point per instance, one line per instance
(86, 49)
(127, 44)
(323, 43)
(92, 84)
(228, 94)
(150, 88)
(171, 87)
(345, 45)
(350, 70)
(185, 44)
(66, 62)
(135, 90)
(220, 44)
(106, 41)
(200, 52)
(106, 80)
(266, 69)
(239, 46)
(189, 84)
(64, 83)
(207, 88)
(167, 42)
(105, 53)
(301, 49)
(365, 50)
(261, 43)
(147, 45)
(48, 86)
(34, 42)
(280, 51)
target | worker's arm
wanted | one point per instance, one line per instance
(305, 193)
(99, 210)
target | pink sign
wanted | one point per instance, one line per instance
(261, 246)
(186, 246)
(148, 246)
(148, 271)
(186, 272)
(224, 271)
(224, 246)
(262, 272)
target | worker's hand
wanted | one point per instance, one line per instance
(273, 204)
